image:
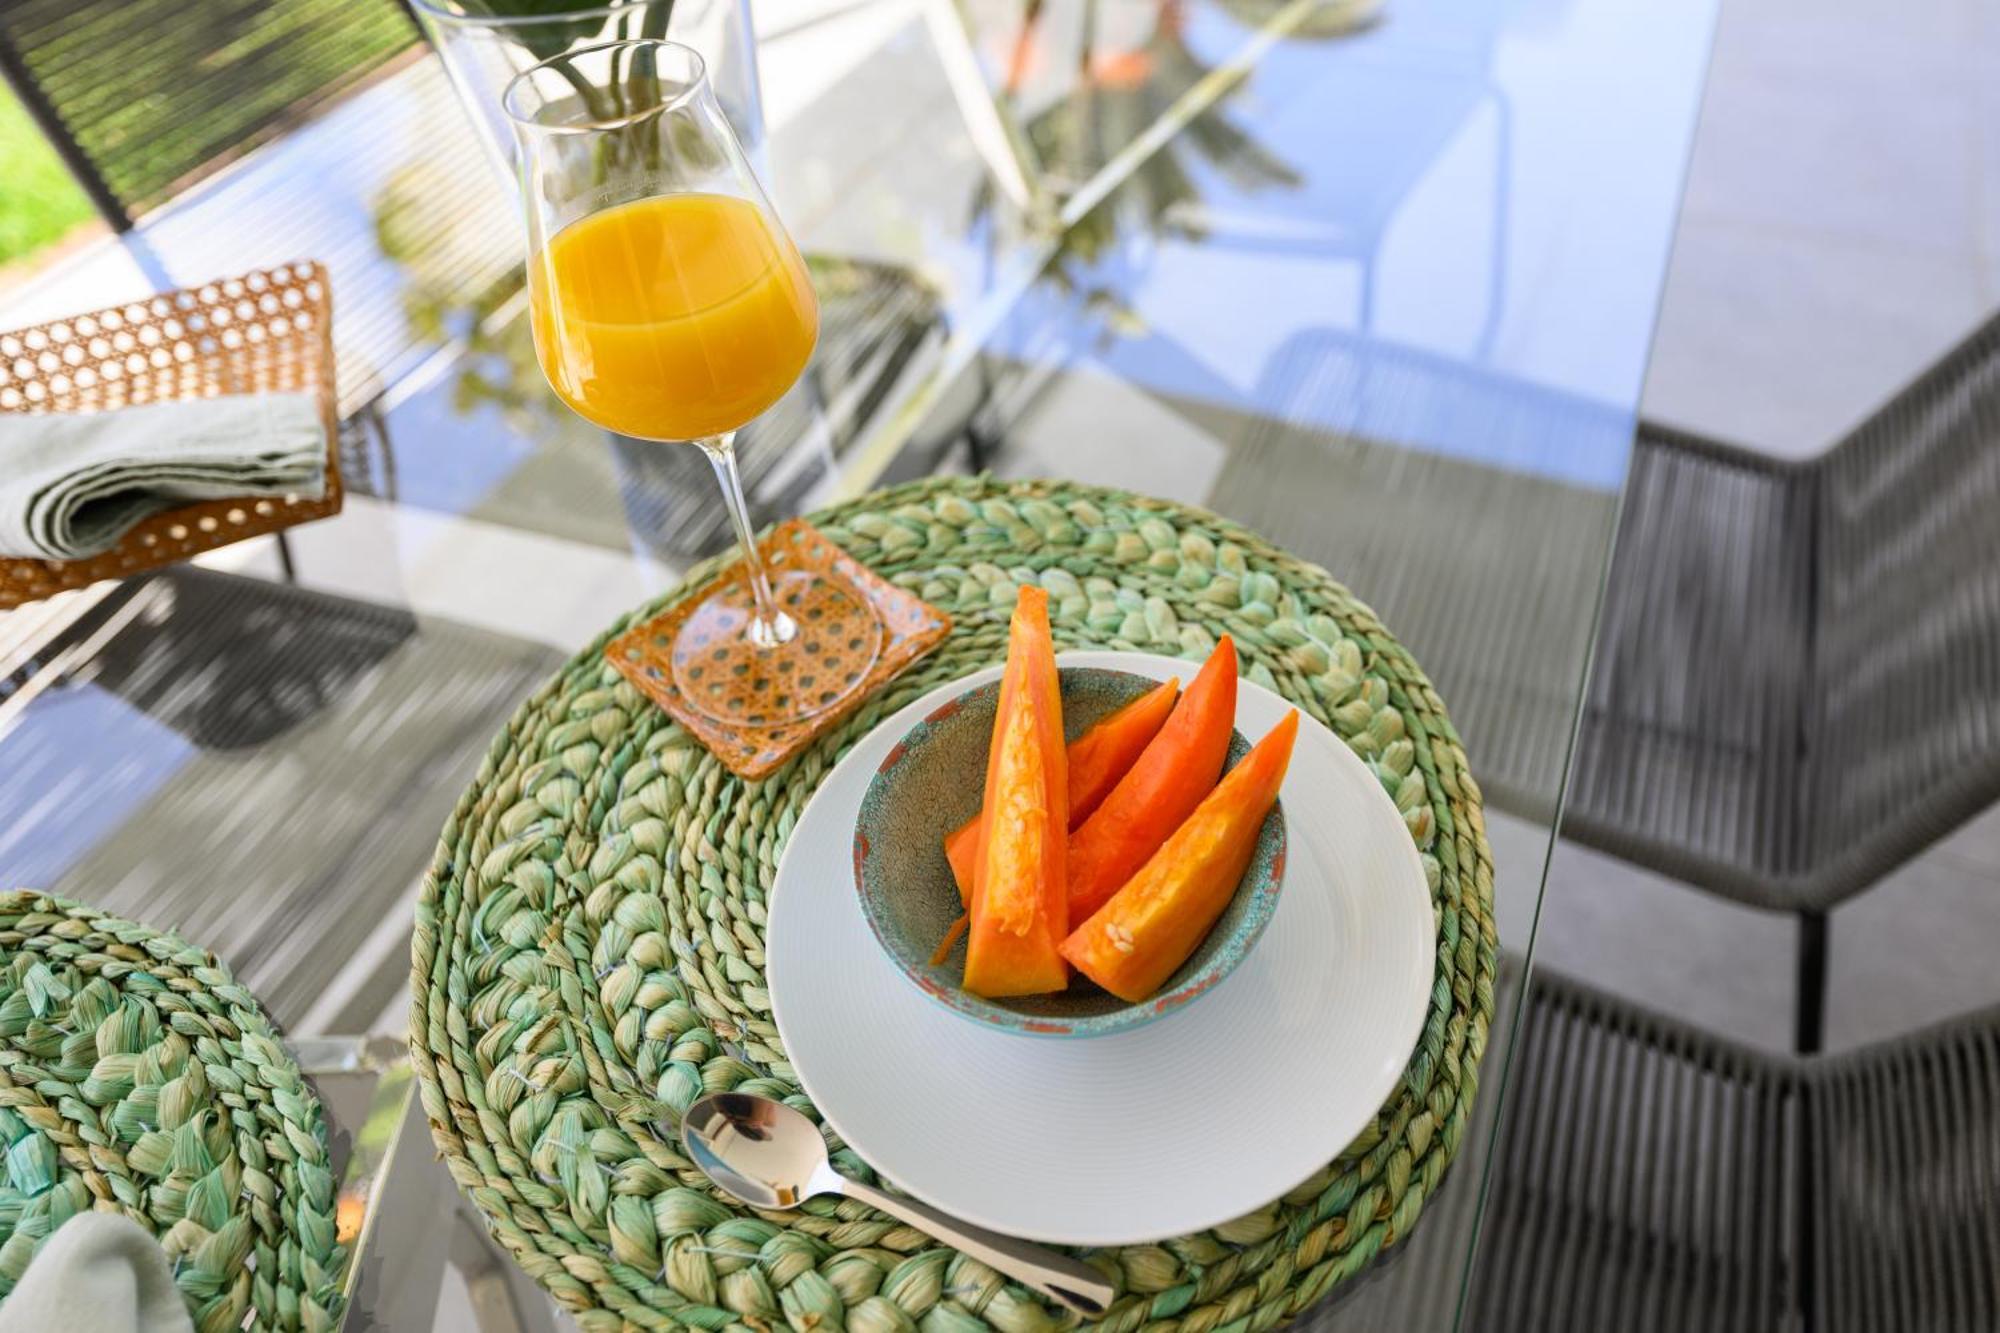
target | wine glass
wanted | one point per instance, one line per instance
(669, 304)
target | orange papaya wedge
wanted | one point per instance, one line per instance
(1097, 759)
(1020, 902)
(1178, 767)
(1105, 753)
(1149, 927)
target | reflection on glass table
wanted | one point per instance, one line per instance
(496, 445)
(396, 1210)
(1383, 294)
(1387, 301)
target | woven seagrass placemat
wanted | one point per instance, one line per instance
(137, 1077)
(589, 946)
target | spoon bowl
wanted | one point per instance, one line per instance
(760, 1150)
(771, 1155)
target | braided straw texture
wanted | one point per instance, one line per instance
(589, 946)
(137, 1077)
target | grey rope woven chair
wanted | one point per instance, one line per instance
(1654, 1177)
(1797, 689)
(1504, 639)
(1795, 686)
(229, 663)
(273, 761)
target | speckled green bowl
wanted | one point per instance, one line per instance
(931, 782)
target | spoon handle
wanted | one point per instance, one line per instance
(1056, 1276)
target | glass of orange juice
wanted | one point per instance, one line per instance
(669, 304)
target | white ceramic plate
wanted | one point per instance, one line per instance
(1169, 1128)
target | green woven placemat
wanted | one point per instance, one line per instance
(589, 945)
(137, 1077)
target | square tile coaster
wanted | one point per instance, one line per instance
(911, 627)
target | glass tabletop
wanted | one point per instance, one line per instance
(1378, 281)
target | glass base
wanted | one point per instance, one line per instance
(726, 676)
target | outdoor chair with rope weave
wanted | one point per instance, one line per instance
(1654, 1177)
(1794, 688)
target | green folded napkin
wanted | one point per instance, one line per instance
(99, 1273)
(73, 484)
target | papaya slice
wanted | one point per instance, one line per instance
(1176, 770)
(1020, 902)
(1153, 923)
(1097, 759)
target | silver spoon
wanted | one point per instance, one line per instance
(771, 1156)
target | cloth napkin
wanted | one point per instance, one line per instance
(73, 484)
(100, 1273)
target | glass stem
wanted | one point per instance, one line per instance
(768, 626)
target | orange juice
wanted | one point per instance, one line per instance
(673, 318)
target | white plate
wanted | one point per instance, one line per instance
(1174, 1127)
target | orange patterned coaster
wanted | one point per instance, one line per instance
(855, 667)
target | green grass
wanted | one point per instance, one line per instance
(212, 77)
(39, 203)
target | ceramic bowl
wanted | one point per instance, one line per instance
(930, 783)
